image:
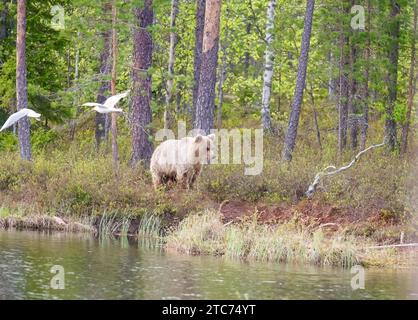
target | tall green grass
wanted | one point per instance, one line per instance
(205, 233)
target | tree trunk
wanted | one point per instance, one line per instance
(21, 81)
(76, 76)
(247, 55)
(171, 61)
(315, 116)
(353, 101)
(222, 75)
(3, 22)
(222, 78)
(268, 68)
(412, 86)
(200, 25)
(366, 93)
(207, 81)
(141, 115)
(394, 25)
(102, 120)
(290, 140)
(343, 94)
(114, 128)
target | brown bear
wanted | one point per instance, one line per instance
(180, 161)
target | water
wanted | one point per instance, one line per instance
(116, 269)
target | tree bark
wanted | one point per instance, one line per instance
(102, 120)
(290, 140)
(394, 25)
(171, 61)
(222, 75)
(21, 82)
(366, 93)
(114, 128)
(315, 116)
(73, 123)
(268, 68)
(343, 95)
(141, 115)
(353, 101)
(411, 86)
(200, 25)
(3, 22)
(222, 78)
(207, 81)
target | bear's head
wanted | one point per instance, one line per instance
(204, 149)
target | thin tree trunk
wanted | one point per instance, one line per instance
(76, 76)
(290, 140)
(366, 93)
(412, 86)
(207, 80)
(3, 22)
(222, 76)
(331, 81)
(268, 68)
(114, 128)
(394, 25)
(171, 61)
(353, 101)
(102, 120)
(200, 25)
(343, 95)
(315, 116)
(247, 55)
(141, 116)
(21, 81)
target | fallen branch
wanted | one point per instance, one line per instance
(331, 170)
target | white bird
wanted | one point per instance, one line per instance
(15, 117)
(109, 105)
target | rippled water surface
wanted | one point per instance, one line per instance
(116, 269)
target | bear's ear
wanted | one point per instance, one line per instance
(212, 137)
(198, 139)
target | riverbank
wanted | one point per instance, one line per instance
(211, 233)
(265, 217)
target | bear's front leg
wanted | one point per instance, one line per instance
(156, 180)
(183, 179)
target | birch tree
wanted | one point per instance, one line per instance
(268, 68)
(171, 61)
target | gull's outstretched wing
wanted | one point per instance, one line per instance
(15, 117)
(106, 110)
(113, 100)
(33, 114)
(93, 104)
